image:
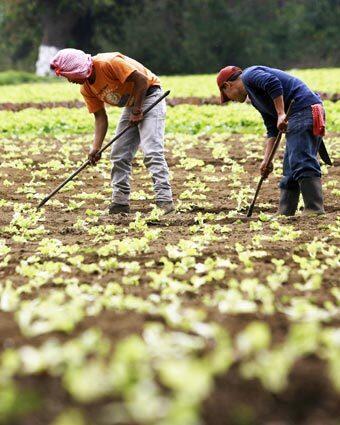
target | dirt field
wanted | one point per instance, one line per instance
(309, 398)
(173, 101)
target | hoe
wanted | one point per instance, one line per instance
(86, 163)
(270, 159)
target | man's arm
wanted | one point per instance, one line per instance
(101, 125)
(266, 168)
(139, 91)
(270, 123)
(272, 86)
(281, 116)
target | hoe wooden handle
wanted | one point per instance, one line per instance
(86, 163)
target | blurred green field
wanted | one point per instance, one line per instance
(185, 119)
(324, 80)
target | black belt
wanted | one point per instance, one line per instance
(152, 89)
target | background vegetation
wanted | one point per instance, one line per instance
(176, 36)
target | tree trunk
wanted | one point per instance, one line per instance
(57, 33)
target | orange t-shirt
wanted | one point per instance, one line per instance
(110, 86)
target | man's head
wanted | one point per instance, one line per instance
(73, 64)
(231, 85)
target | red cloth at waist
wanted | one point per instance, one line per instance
(318, 120)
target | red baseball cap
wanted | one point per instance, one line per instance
(224, 75)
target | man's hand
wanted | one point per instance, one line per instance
(136, 118)
(94, 156)
(282, 122)
(266, 169)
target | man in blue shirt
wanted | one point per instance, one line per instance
(270, 92)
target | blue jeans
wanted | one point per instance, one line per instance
(300, 158)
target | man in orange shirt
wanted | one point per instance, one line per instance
(118, 80)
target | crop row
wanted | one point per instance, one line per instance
(324, 80)
(234, 118)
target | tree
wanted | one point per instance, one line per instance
(174, 36)
(57, 23)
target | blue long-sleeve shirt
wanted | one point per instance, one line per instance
(264, 84)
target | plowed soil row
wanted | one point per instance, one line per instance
(192, 100)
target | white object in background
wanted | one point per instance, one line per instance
(42, 66)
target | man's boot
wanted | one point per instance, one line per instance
(166, 206)
(289, 200)
(311, 190)
(118, 209)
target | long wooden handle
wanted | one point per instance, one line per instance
(87, 162)
(252, 205)
(270, 159)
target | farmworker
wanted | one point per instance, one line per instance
(270, 92)
(118, 80)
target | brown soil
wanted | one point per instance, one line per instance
(174, 101)
(309, 399)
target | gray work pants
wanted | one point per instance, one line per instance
(149, 135)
